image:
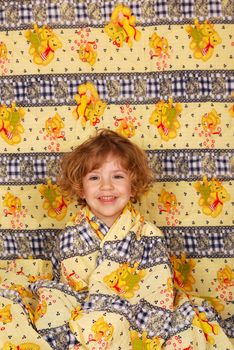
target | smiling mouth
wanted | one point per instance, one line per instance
(107, 198)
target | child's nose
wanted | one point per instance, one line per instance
(106, 183)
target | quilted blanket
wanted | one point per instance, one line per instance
(161, 74)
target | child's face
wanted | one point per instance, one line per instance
(107, 190)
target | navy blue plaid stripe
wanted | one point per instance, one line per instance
(195, 166)
(39, 167)
(187, 8)
(216, 241)
(222, 165)
(168, 165)
(161, 9)
(36, 90)
(13, 168)
(215, 8)
(25, 13)
(53, 12)
(190, 243)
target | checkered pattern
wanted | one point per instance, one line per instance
(81, 11)
(47, 89)
(186, 310)
(123, 247)
(73, 88)
(10, 245)
(13, 168)
(141, 317)
(20, 90)
(107, 9)
(190, 243)
(146, 253)
(39, 165)
(168, 165)
(85, 234)
(1, 16)
(101, 86)
(127, 88)
(230, 84)
(25, 13)
(178, 86)
(153, 88)
(135, 9)
(37, 244)
(194, 165)
(53, 12)
(52, 337)
(161, 8)
(216, 241)
(205, 85)
(187, 8)
(215, 8)
(222, 165)
(66, 240)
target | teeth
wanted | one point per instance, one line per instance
(107, 197)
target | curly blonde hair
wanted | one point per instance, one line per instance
(92, 153)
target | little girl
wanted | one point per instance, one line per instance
(114, 287)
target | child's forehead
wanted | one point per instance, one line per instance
(98, 161)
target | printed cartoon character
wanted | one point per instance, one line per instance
(87, 52)
(12, 204)
(213, 195)
(3, 51)
(43, 44)
(226, 276)
(54, 125)
(159, 45)
(40, 310)
(55, 202)
(125, 280)
(5, 314)
(10, 123)
(200, 320)
(210, 121)
(125, 127)
(89, 106)
(164, 117)
(122, 26)
(183, 270)
(204, 39)
(22, 346)
(24, 292)
(77, 313)
(169, 201)
(102, 330)
(73, 279)
(141, 342)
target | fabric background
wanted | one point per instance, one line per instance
(160, 73)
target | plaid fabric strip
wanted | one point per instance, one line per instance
(161, 10)
(222, 165)
(194, 165)
(230, 84)
(187, 8)
(153, 88)
(47, 89)
(53, 12)
(215, 8)
(178, 86)
(190, 242)
(21, 90)
(13, 168)
(168, 165)
(39, 165)
(25, 13)
(216, 241)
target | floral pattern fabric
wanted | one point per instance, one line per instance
(161, 74)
